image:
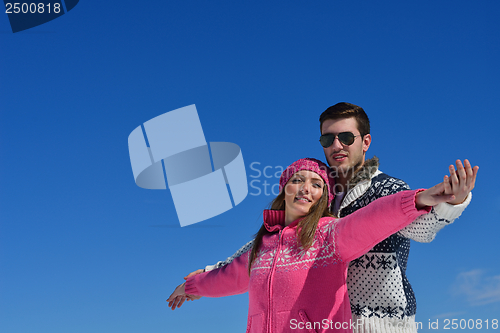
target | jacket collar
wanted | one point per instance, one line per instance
(360, 182)
(365, 173)
(274, 220)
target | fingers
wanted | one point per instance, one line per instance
(177, 297)
(171, 302)
(447, 185)
(446, 198)
(473, 182)
(432, 196)
(171, 297)
(453, 177)
(196, 272)
(462, 175)
(437, 189)
(193, 297)
(461, 180)
(181, 302)
(441, 192)
(176, 302)
(464, 178)
(468, 172)
(471, 174)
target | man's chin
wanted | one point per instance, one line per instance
(341, 170)
(338, 164)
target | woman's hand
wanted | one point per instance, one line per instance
(434, 195)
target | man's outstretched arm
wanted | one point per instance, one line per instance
(248, 246)
(461, 182)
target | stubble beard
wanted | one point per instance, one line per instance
(343, 174)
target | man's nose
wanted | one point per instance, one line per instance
(336, 145)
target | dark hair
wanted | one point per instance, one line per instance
(306, 228)
(345, 110)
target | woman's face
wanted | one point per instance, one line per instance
(302, 191)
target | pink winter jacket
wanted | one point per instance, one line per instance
(293, 290)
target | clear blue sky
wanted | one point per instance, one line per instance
(83, 249)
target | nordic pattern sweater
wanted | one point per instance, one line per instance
(293, 290)
(382, 299)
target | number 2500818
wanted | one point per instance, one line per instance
(470, 324)
(25, 8)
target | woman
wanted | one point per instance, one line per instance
(296, 273)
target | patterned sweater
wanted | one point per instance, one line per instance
(381, 296)
(286, 280)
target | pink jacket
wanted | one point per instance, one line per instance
(292, 290)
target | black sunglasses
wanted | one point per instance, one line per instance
(345, 138)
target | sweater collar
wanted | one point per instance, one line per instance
(364, 173)
(274, 220)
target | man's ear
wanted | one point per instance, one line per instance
(367, 140)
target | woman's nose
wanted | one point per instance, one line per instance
(306, 187)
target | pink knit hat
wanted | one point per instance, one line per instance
(310, 164)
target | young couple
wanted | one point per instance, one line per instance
(308, 271)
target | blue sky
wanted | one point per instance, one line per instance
(83, 249)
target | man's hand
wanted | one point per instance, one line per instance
(178, 297)
(196, 272)
(453, 190)
(462, 181)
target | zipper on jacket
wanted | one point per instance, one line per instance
(275, 261)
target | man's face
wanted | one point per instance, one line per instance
(344, 159)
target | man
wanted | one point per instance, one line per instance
(381, 296)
